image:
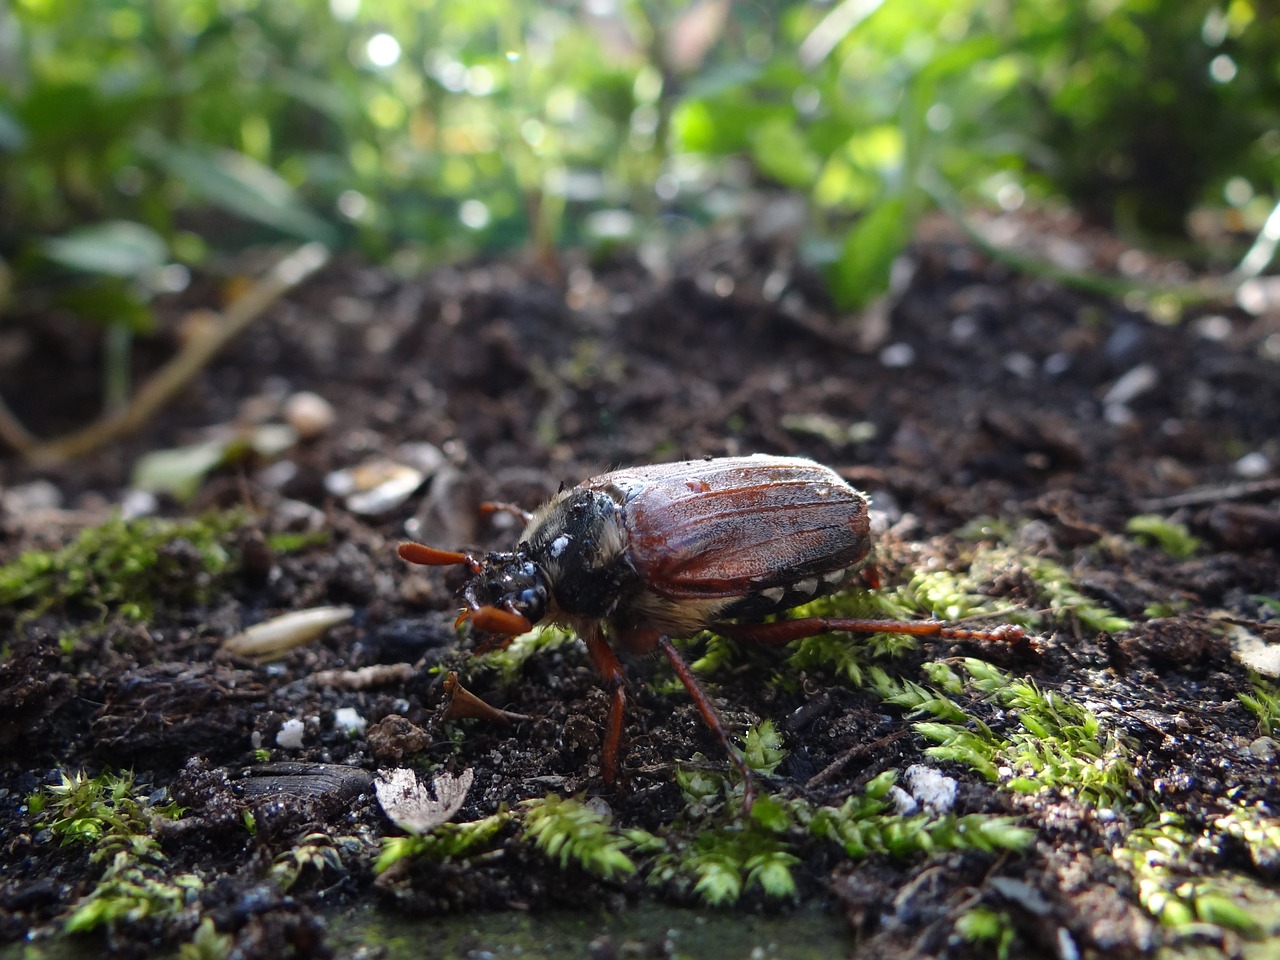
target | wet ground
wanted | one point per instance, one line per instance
(981, 409)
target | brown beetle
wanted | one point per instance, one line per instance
(641, 555)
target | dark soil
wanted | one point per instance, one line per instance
(982, 393)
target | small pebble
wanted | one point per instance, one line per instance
(904, 804)
(935, 791)
(309, 414)
(1253, 465)
(30, 497)
(349, 721)
(1264, 748)
(1132, 384)
(290, 735)
(896, 356)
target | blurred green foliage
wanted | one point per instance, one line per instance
(136, 137)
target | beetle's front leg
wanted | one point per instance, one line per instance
(610, 670)
(784, 631)
(711, 718)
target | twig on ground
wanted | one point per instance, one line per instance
(1199, 498)
(170, 379)
(827, 773)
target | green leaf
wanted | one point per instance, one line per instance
(110, 302)
(862, 271)
(181, 470)
(781, 152)
(240, 185)
(118, 248)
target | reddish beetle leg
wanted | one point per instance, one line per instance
(431, 557)
(495, 620)
(785, 631)
(709, 716)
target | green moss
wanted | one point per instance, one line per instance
(850, 655)
(104, 812)
(448, 841)
(1056, 587)
(510, 660)
(1257, 832)
(1264, 703)
(723, 854)
(1162, 858)
(762, 749)
(318, 855)
(719, 865)
(718, 652)
(123, 566)
(1170, 536)
(130, 892)
(207, 944)
(107, 814)
(1057, 744)
(567, 830)
(293, 542)
(993, 930)
(864, 825)
(948, 595)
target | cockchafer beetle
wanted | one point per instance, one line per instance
(641, 555)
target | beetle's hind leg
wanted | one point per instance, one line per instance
(711, 718)
(784, 631)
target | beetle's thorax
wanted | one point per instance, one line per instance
(579, 542)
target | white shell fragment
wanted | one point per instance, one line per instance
(409, 804)
(276, 636)
(374, 486)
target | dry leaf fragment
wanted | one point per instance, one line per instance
(409, 804)
(465, 704)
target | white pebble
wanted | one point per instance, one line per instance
(1253, 465)
(898, 355)
(309, 414)
(290, 735)
(1137, 381)
(935, 791)
(349, 721)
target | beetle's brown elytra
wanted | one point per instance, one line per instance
(641, 555)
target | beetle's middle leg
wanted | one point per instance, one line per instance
(711, 718)
(610, 670)
(784, 631)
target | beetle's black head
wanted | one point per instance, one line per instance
(511, 582)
